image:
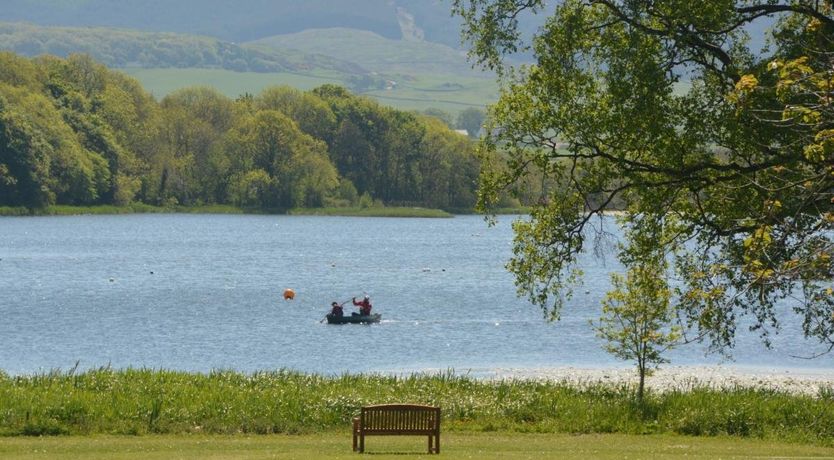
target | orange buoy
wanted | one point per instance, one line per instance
(289, 294)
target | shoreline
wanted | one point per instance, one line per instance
(683, 378)
(140, 208)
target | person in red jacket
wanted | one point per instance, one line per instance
(364, 305)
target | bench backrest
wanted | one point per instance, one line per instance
(400, 418)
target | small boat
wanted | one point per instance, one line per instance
(353, 319)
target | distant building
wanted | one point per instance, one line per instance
(462, 132)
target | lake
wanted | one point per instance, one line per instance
(203, 292)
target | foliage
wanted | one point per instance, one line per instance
(138, 401)
(737, 170)
(73, 132)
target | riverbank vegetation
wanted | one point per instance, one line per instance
(140, 401)
(140, 208)
(73, 132)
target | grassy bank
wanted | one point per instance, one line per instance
(336, 445)
(167, 402)
(134, 208)
(138, 208)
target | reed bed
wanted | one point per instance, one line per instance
(139, 401)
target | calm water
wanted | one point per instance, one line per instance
(201, 292)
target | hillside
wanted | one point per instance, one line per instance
(129, 48)
(238, 21)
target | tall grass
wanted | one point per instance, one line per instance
(137, 401)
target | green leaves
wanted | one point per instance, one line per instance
(735, 164)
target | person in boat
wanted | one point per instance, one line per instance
(336, 309)
(364, 306)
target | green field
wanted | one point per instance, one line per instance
(448, 92)
(337, 445)
(451, 93)
(161, 82)
(373, 52)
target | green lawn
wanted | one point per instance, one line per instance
(453, 445)
(450, 93)
(161, 82)
(373, 52)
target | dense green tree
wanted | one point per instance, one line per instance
(400, 151)
(311, 113)
(447, 169)
(736, 169)
(43, 161)
(471, 120)
(194, 122)
(441, 115)
(131, 114)
(18, 71)
(357, 147)
(300, 170)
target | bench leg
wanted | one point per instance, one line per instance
(437, 443)
(355, 432)
(362, 443)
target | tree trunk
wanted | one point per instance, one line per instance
(641, 368)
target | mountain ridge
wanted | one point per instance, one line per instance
(244, 20)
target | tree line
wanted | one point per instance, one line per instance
(74, 132)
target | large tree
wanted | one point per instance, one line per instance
(720, 153)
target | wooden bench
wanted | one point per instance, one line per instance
(395, 420)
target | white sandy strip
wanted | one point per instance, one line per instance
(792, 380)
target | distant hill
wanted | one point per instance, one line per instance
(127, 48)
(238, 21)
